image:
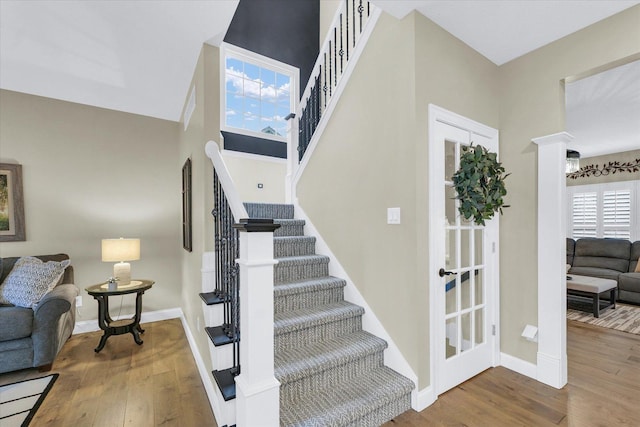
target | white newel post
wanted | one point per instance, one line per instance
(257, 389)
(292, 157)
(552, 285)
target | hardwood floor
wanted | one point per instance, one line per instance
(157, 383)
(603, 390)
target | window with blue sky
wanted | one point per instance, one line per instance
(257, 98)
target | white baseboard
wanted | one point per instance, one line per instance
(84, 326)
(518, 365)
(426, 398)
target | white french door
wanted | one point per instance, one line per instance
(464, 259)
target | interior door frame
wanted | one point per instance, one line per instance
(436, 115)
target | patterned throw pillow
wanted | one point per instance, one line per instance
(30, 280)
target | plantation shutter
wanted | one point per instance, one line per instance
(585, 215)
(616, 214)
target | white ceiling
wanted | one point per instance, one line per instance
(603, 111)
(503, 30)
(139, 56)
(132, 56)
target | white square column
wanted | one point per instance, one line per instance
(552, 285)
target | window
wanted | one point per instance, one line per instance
(258, 94)
(605, 210)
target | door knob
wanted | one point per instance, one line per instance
(443, 272)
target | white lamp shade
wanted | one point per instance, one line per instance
(115, 250)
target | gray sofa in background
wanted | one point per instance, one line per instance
(32, 338)
(614, 259)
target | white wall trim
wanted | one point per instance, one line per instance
(552, 285)
(85, 326)
(370, 323)
(426, 398)
(520, 366)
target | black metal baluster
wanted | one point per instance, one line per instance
(329, 69)
(346, 14)
(341, 52)
(353, 11)
(368, 9)
(360, 10)
(335, 55)
(324, 81)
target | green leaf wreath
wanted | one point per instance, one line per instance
(479, 184)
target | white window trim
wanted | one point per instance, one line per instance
(259, 60)
(632, 186)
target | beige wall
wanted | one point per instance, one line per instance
(328, 9)
(373, 155)
(203, 126)
(248, 171)
(532, 105)
(89, 174)
(624, 157)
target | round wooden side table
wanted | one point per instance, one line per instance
(101, 292)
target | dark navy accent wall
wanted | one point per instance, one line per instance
(253, 145)
(285, 30)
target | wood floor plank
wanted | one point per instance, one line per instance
(603, 390)
(158, 383)
(126, 384)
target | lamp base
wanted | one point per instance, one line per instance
(122, 272)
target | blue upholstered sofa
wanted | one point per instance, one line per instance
(32, 337)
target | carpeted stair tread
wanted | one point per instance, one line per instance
(269, 210)
(293, 364)
(346, 403)
(291, 269)
(287, 246)
(308, 285)
(309, 317)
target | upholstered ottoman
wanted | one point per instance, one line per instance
(592, 287)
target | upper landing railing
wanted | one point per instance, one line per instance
(340, 47)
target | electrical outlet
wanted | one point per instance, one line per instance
(393, 216)
(79, 301)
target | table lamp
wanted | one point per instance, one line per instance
(119, 251)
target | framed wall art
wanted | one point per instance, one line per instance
(11, 203)
(186, 206)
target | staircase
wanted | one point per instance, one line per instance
(332, 373)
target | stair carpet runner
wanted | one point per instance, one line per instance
(332, 373)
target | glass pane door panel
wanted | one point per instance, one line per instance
(451, 255)
(479, 318)
(466, 332)
(451, 295)
(450, 164)
(450, 204)
(478, 285)
(451, 338)
(465, 290)
(478, 244)
(465, 248)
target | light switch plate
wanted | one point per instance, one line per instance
(393, 215)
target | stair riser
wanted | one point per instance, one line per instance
(289, 230)
(384, 413)
(315, 334)
(307, 299)
(272, 211)
(290, 392)
(286, 273)
(297, 248)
